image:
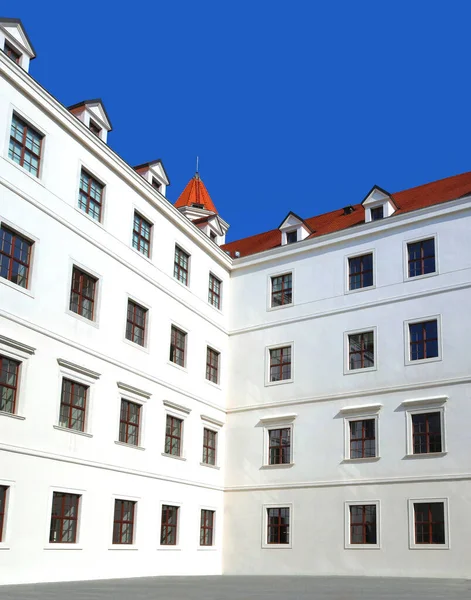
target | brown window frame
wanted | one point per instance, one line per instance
(181, 272)
(285, 361)
(132, 324)
(4, 490)
(215, 291)
(169, 437)
(421, 260)
(364, 524)
(71, 405)
(423, 341)
(141, 241)
(427, 434)
(94, 128)
(127, 427)
(430, 524)
(281, 454)
(83, 276)
(377, 213)
(212, 365)
(169, 529)
(24, 149)
(362, 273)
(176, 335)
(361, 351)
(292, 237)
(4, 384)
(88, 197)
(62, 517)
(12, 53)
(285, 294)
(156, 184)
(210, 442)
(363, 439)
(207, 527)
(274, 512)
(26, 265)
(120, 523)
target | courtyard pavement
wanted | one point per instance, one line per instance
(245, 588)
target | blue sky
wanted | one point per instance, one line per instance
(298, 105)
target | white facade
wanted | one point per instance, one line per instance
(316, 402)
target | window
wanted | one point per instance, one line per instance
(429, 523)
(278, 525)
(280, 363)
(12, 53)
(363, 524)
(123, 525)
(362, 438)
(212, 365)
(94, 128)
(214, 292)
(209, 446)
(360, 271)
(282, 290)
(361, 353)
(64, 518)
(25, 146)
(15, 257)
(141, 235)
(212, 236)
(423, 340)
(377, 213)
(421, 257)
(136, 323)
(90, 196)
(73, 405)
(279, 446)
(156, 185)
(82, 295)
(426, 433)
(169, 524)
(177, 346)
(129, 422)
(173, 436)
(180, 268)
(207, 528)
(9, 370)
(3, 507)
(291, 237)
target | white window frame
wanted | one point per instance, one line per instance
(141, 213)
(29, 291)
(78, 545)
(347, 541)
(265, 544)
(407, 359)
(178, 411)
(99, 281)
(215, 545)
(215, 426)
(19, 352)
(277, 422)
(137, 396)
(361, 413)
(267, 363)
(270, 278)
(177, 546)
(446, 515)
(405, 254)
(82, 166)
(371, 251)
(346, 343)
(146, 346)
(419, 406)
(9, 508)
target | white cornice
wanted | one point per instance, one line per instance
(133, 390)
(17, 345)
(371, 408)
(177, 407)
(425, 401)
(78, 368)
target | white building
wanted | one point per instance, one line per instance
(291, 403)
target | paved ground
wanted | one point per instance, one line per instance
(246, 588)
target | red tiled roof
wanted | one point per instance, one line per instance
(195, 192)
(422, 196)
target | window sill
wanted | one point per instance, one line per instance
(171, 548)
(4, 547)
(280, 466)
(361, 460)
(75, 431)
(83, 319)
(281, 307)
(425, 455)
(23, 170)
(179, 367)
(362, 547)
(361, 289)
(417, 277)
(63, 547)
(422, 361)
(203, 464)
(207, 548)
(429, 546)
(11, 415)
(173, 456)
(214, 385)
(123, 547)
(136, 346)
(356, 371)
(277, 546)
(91, 219)
(128, 445)
(281, 382)
(16, 287)
(185, 286)
(147, 258)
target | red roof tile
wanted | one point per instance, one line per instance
(415, 198)
(195, 192)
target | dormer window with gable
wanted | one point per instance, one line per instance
(93, 115)
(293, 229)
(15, 42)
(378, 205)
(155, 175)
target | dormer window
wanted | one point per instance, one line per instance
(293, 229)
(12, 53)
(378, 205)
(93, 115)
(15, 43)
(291, 237)
(377, 213)
(156, 184)
(94, 128)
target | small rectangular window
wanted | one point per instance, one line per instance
(177, 346)
(136, 323)
(361, 352)
(280, 363)
(169, 525)
(173, 436)
(9, 371)
(281, 290)
(377, 213)
(94, 128)
(123, 524)
(12, 53)
(73, 405)
(90, 196)
(212, 365)
(279, 446)
(426, 433)
(156, 184)
(421, 257)
(25, 146)
(278, 525)
(3, 509)
(209, 446)
(207, 528)
(129, 422)
(360, 271)
(141, 235)
(64, 518)
(429, 522)
(15, 256)
(82, 295)
(423, 340)
(181, 265)
(362, 438)
(363, 524)
(214, 292)
(291, 237)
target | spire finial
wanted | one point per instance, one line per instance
(197, 167)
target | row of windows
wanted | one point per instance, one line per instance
(423, 344)
(429, 524)
(65, 520)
